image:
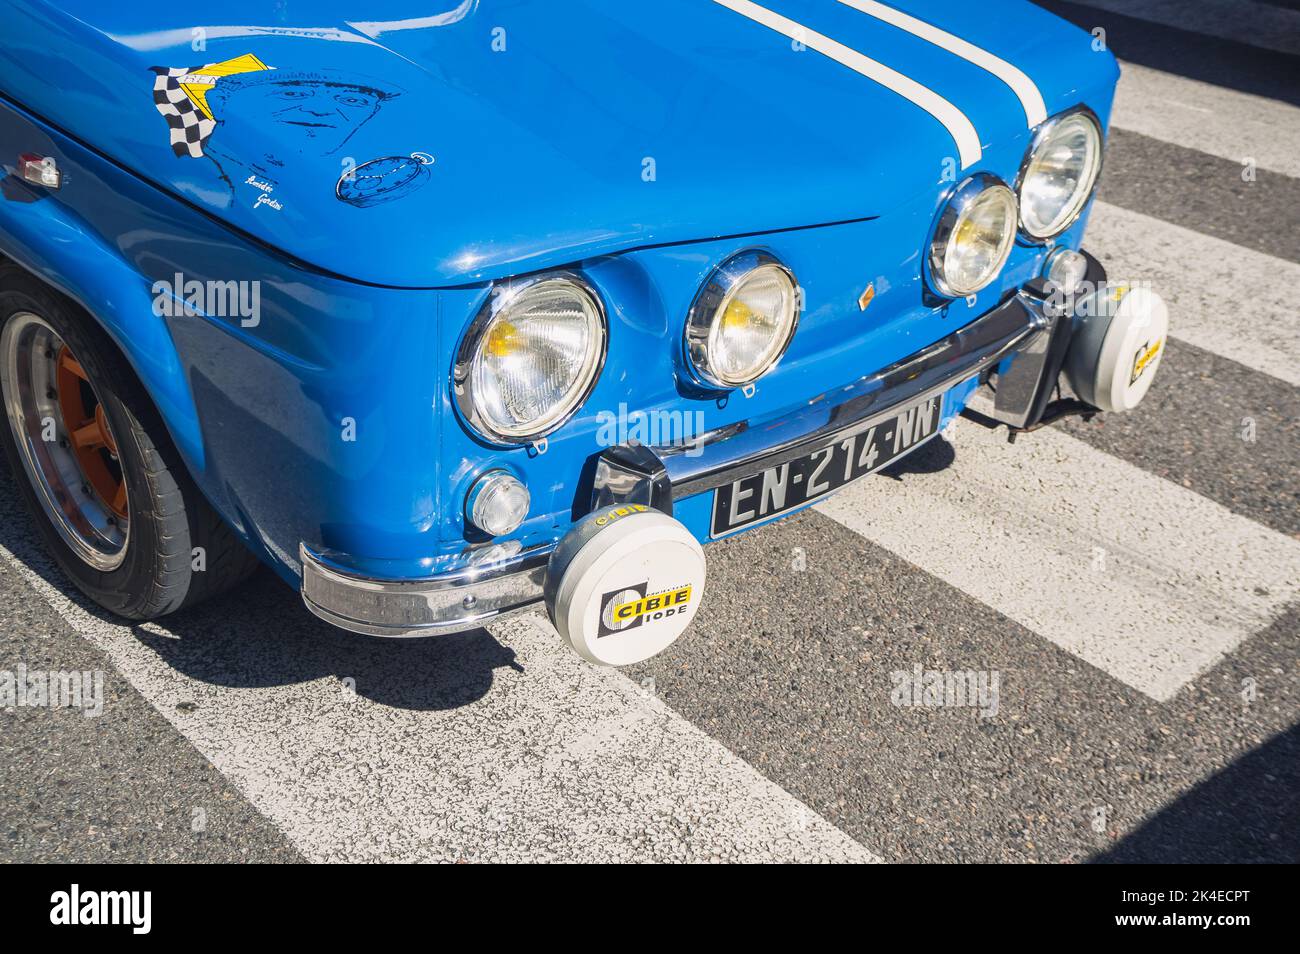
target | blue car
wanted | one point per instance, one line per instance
(449, 313)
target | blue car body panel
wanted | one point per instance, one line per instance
(638, 143)
(539, 148)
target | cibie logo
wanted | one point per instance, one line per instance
(133, 908)
(1145, 355)
(631, 606)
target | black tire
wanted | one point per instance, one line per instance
(168, 515)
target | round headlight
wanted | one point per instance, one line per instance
(530, 358)
(742, 320)
(974, 236)
(1059, 173)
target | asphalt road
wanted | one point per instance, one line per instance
(1136, 605)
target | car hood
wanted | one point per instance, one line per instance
(393, 145)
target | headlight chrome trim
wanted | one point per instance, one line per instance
(1041, 132)
(950, 212)
(501, 296)
(699, 319)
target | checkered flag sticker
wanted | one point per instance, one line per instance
(190, 128)
(181, 95)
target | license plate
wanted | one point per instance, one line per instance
(772, 492)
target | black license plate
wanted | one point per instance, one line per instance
(772, 492)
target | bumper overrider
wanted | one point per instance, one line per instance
(1043, 359)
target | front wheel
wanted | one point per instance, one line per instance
(93, 461)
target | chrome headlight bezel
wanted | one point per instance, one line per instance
(1040, 136)
(945, 223)
(502, 297)
(707, 308)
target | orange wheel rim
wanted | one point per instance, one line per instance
(89, 437)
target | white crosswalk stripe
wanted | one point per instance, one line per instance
(1230, 300)
(1221, 122)
(1243, 21)
(1137, 576)
(561, 762)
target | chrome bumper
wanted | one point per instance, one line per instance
(443, 604)
(471, 597)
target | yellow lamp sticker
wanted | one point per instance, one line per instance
(503, 340)
(738, 316)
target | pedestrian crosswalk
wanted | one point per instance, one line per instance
(534, 755)
(506, 747)
(1223, 298)
(1131, 573)
(1253, 131)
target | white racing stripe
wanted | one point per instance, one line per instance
(1230, 300)
(1134, 574)
(1024, 88)
(558, 761)
(954, 120)
(1251, 22)
(1222, 122)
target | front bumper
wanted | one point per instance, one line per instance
(656, 477)
(443, 604)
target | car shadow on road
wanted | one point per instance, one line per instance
(261, 635)
(932, 457)
(1247, 813)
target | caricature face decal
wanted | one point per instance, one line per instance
(314, 114)
(322, 110)
(320, 113)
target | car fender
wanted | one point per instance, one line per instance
(49, 239)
